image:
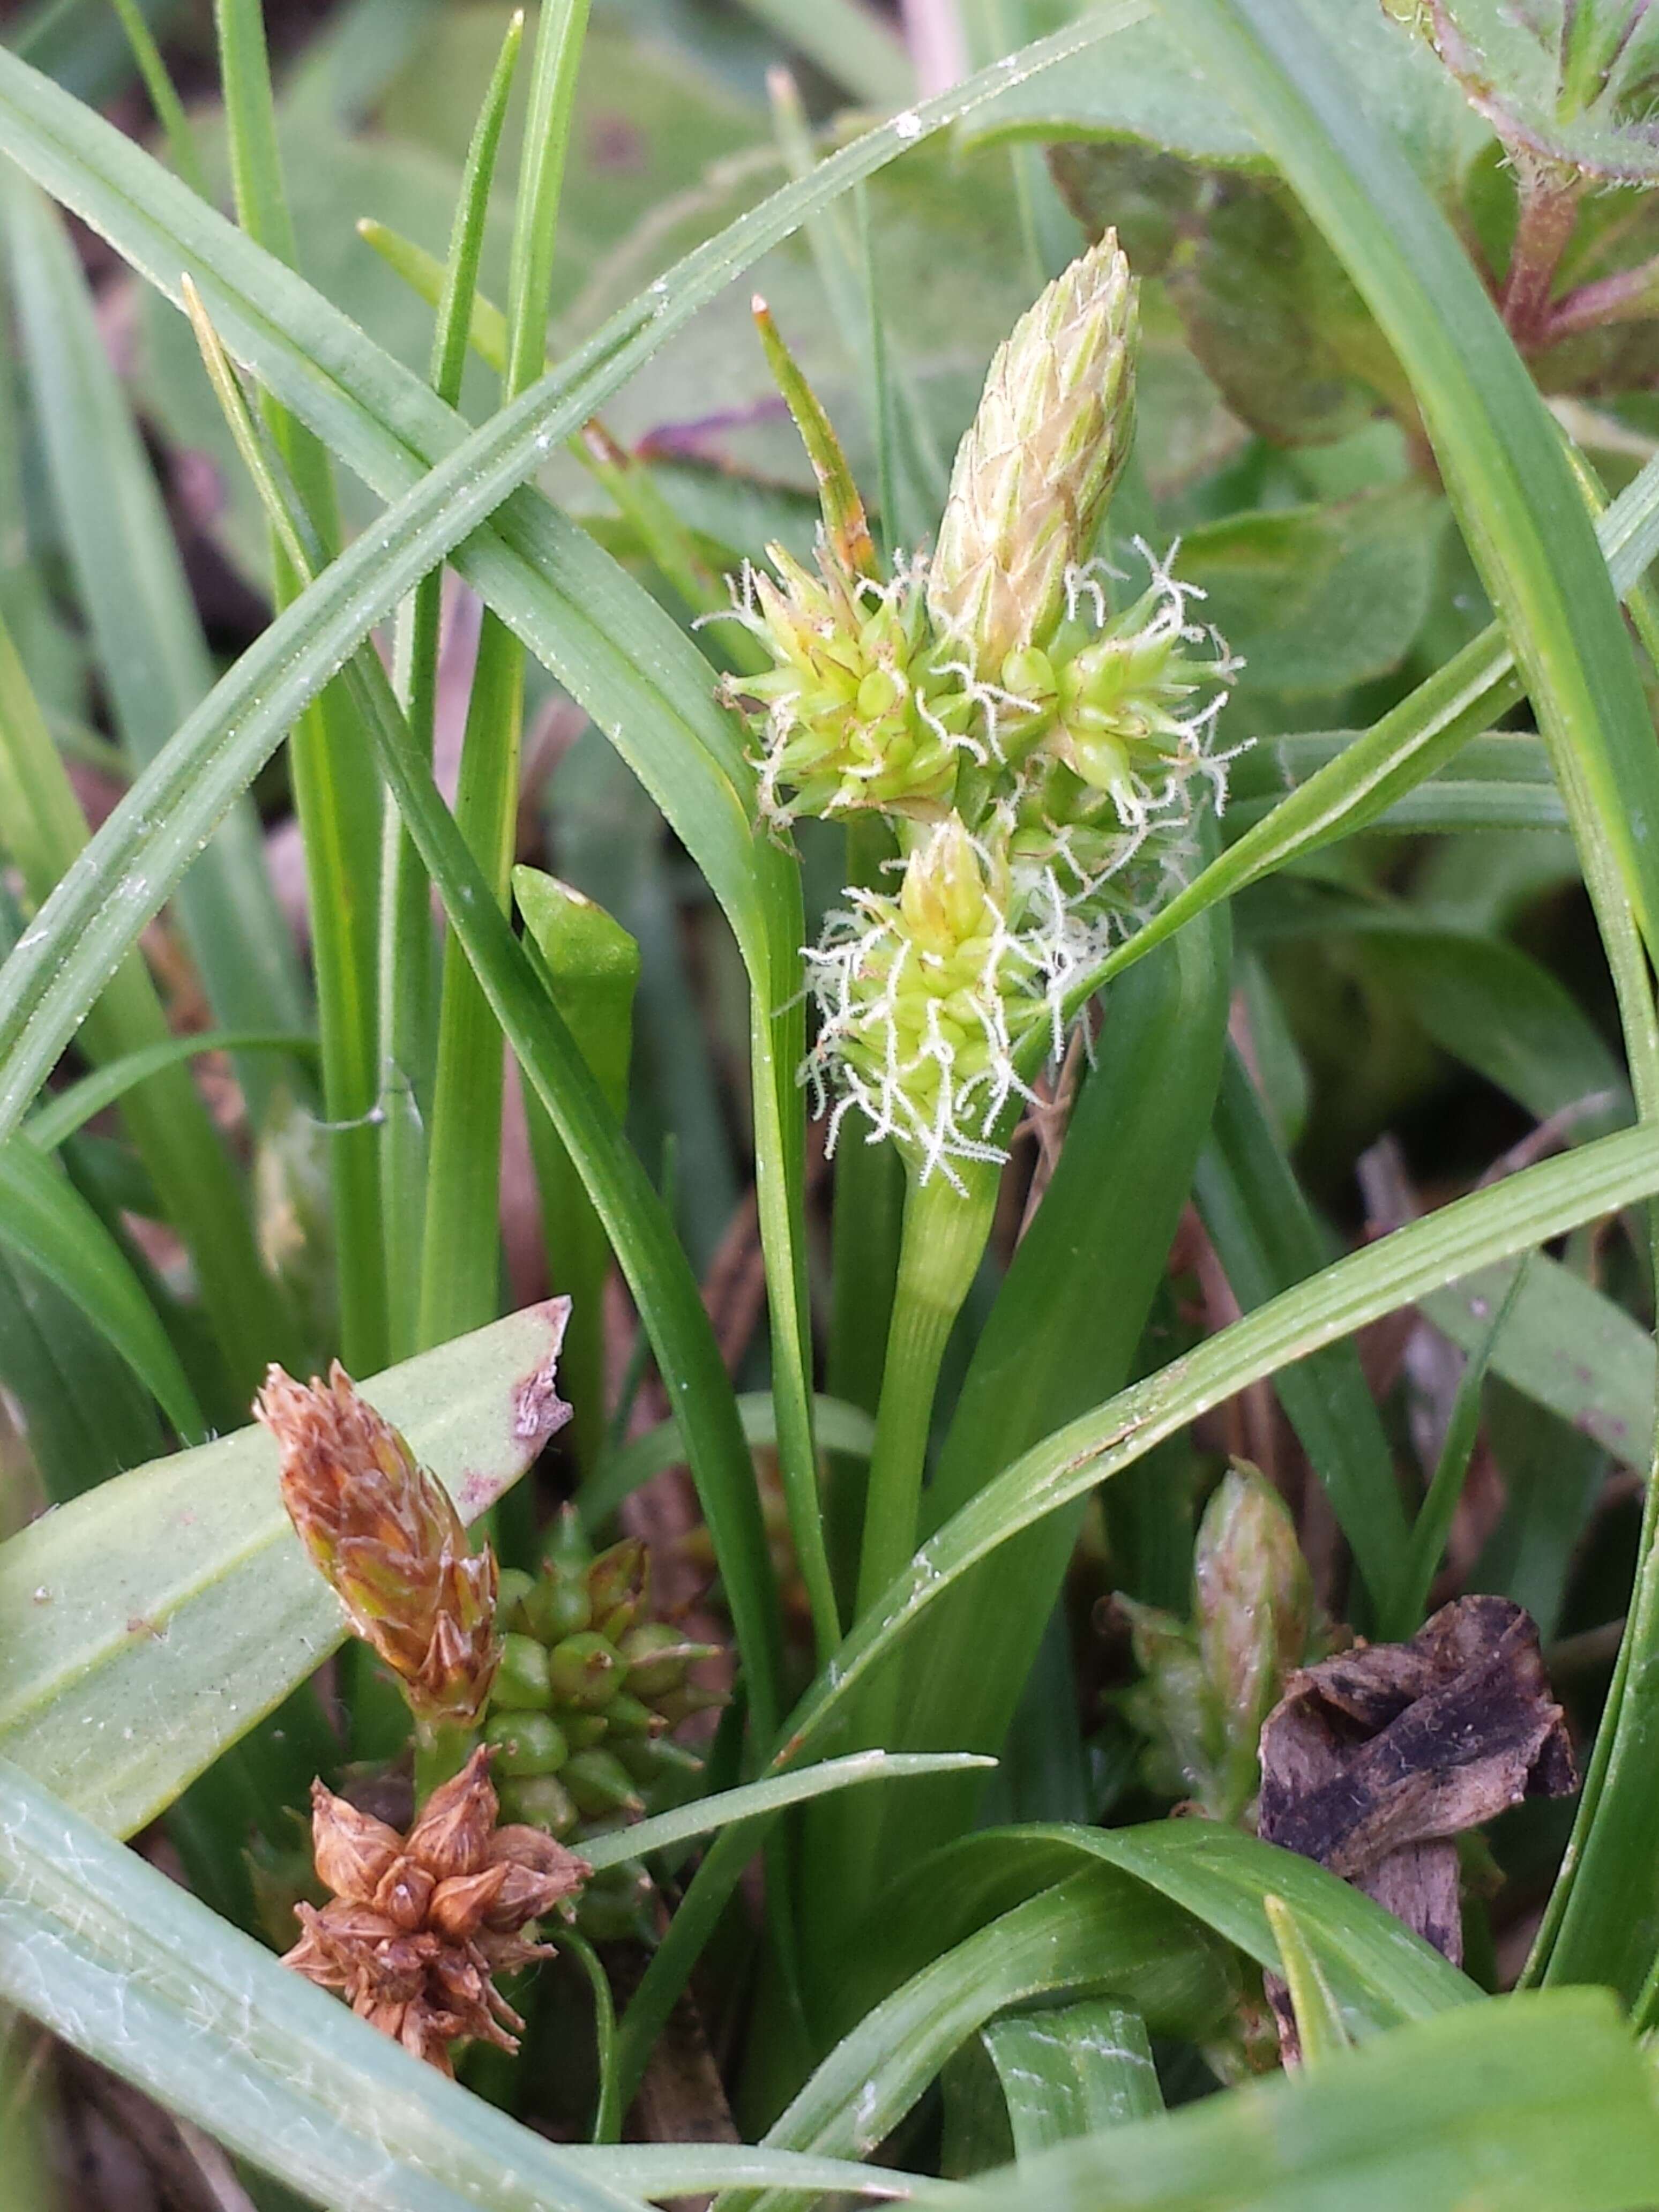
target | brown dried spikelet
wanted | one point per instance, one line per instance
(391, 1545)
(420, 1925)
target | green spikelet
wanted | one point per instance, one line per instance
(589, 1687)
(854, 714)
(1033, 475)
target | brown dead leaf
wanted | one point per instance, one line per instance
(1375, 1760)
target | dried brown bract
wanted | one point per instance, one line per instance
(1374, 1761)
(384, 1533)
(420, 1925)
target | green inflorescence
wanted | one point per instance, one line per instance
(1041, 755)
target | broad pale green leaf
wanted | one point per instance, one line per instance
(133, 1972)
(151, 1623)
(1525, 2105)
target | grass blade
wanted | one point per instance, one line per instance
(1534, 2105)
(408, 981)
(45, 1220)
(176, 1140)
(335, 792)
(1073, 2071)
(1093, 1929)
(136, 599)
(1267, 1240)
(460, 1256)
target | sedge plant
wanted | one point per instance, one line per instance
(709, 1465)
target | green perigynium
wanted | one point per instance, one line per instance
(1042, 754)
(858, 713)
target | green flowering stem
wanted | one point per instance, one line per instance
(441, 1750)
(944, 1239)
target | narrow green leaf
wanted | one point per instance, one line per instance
(841, 1428)
(757, 1799)
(1319, 2026)
(460, 1246)
(163, 96)
(591, 966)
(1093, 1931)
(44, 1219)
(1402, 1615)
(152, 1622)
(87, 1415)
(1529, 2105)
(1498, 781)
(136, 599)
(72, 1107)
(1565, 1344)
(45, 832)
(409, 972)
(1073, 2071)
(1379, 1973)
(335, 794)
(1266, 1239)
(849, 42)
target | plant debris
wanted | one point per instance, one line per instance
(1375, 1760)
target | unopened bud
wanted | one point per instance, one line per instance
(390, 1543)
(1033, 475)
(1252, 1604)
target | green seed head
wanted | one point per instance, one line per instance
(855, 713)
(1033, 475)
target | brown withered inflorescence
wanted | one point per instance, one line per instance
(420, 1925)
